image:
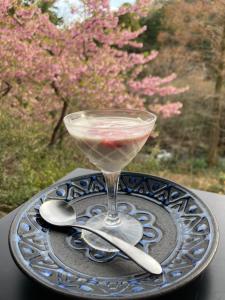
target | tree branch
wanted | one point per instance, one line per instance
(57, 91)
(6, 89)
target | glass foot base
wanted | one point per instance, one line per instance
(128, 229)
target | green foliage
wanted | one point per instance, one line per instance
(199, 164)
(26, 164)
(222, 178)
(153, 22)
(129, 21)
(46, 7)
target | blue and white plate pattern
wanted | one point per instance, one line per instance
(178, 230)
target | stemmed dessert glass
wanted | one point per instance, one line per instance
(111, 139)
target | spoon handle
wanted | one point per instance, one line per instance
(141, 258)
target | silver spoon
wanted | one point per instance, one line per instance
(59, 213)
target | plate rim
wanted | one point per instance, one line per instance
(185, 280)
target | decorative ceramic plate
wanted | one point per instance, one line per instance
(179, 231)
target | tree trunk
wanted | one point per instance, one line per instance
(55, 133)
(214, 134)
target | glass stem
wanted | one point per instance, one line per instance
(111, 180)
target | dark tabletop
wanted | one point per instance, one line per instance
(14, 285)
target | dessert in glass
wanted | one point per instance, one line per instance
(111, 139)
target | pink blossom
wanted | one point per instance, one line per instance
(167, 110)
(5, 5)
(139, 59)
(84, 64)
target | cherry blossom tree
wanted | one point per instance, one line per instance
(45, 69)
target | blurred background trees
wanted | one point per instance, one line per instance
(198, 31)
(43, 85)
(190, 38)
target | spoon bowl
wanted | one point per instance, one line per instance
(57, 212)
